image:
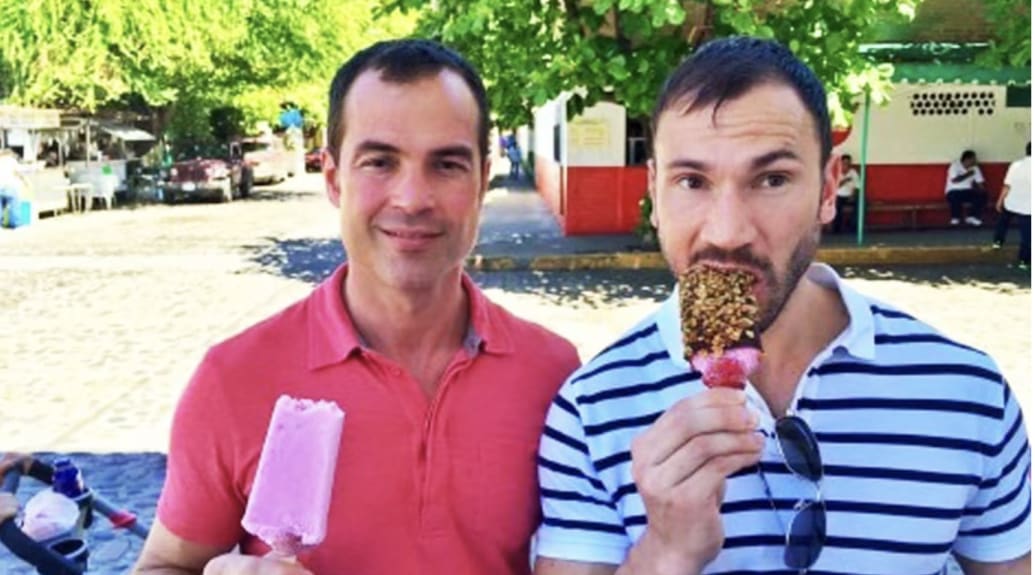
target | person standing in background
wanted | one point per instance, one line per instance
(1015, 200)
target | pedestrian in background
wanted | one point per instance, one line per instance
(1015, 201)
(847, 189)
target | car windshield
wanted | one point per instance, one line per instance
(196, 151)
(255, 146)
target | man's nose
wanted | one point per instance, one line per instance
(412, 192)
(728, 220)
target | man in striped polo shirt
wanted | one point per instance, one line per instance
(919, 450)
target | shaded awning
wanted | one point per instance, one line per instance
(943, 63)
(13, 117)
(126, 133)
(924, 73)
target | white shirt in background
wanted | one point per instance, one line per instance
(956, 170)
(848, 188)
(1018, 177)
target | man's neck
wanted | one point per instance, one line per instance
(407, 326)
(813, 316)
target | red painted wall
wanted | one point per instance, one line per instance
(603, 200)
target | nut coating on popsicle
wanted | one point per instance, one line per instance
(291, 495)
(719, 316)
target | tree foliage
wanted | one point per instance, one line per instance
(182, 58)
(1011, 21)
(529, 51)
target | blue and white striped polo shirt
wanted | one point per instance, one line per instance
(924, 450)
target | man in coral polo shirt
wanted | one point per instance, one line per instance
(445, 393)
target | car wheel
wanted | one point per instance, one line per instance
(247, 180)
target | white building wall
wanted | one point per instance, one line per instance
(909, 129)
(597, 136)
(547, 117)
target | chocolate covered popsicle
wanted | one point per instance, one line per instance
(719, 318)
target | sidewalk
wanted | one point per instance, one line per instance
(519, 232)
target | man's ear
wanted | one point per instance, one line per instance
(330, 177)
(652, 193)
(828, 193)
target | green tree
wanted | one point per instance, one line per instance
(1011, 21)
(182, 58)
(621, 50)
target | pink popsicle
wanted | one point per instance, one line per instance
(291, 495)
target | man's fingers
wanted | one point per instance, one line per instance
(710, 480)
(711, 411)
(234, 564)
(694, 455)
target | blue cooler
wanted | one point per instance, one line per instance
(18, 214)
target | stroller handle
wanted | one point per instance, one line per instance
(45, 560)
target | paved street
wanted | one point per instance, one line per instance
(106, 314)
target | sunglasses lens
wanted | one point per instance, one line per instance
(799, 447)
(807, 535)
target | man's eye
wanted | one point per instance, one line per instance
(774, 180)
(377, 163)
(450, 166)
(690, 182)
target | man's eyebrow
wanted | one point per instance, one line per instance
(465, 152)
(771, 157)
(376, 146)
(687, 163)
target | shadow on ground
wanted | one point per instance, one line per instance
(309, 260)
(992, 277)
(520, 184)
(276, 195)
(312, 260)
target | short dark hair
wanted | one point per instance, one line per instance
(727, 68)
(401, 62)
(967, 154)
(846, 157)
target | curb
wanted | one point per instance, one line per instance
(927, 255)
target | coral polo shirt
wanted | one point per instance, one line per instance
(439, 485)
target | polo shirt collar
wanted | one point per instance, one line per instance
(858, 339)
(333, 337)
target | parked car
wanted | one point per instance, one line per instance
(313, 160)
(269, 160)
(215, 172)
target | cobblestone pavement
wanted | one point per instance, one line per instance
(106, 314)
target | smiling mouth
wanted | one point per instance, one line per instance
(411, 234)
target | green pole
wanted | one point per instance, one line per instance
(860, 210)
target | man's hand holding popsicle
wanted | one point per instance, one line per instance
(680, 464)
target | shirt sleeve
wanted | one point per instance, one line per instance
(200, 502)
(996, 524)
(580, 521)
(978, 177)
(1011, 175)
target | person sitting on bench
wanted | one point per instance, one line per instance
(965, 185)
(847, 187)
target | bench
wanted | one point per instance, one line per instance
(910, 209)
